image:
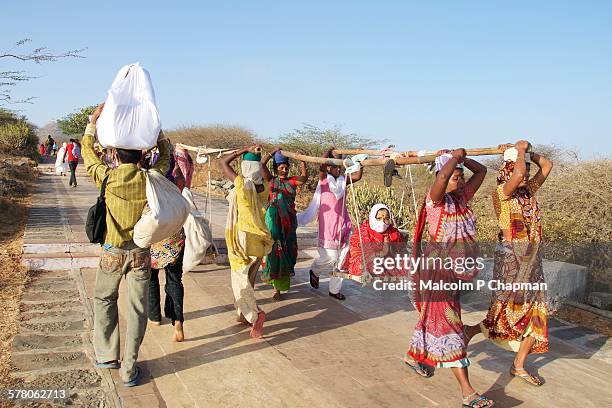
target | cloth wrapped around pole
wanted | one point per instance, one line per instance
(130, 119)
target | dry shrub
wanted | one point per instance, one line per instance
(16, 177)
(577, 218)
(578, 195)
(215, 136)
(17, 136)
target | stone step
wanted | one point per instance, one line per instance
(44, 257)
(601, 300)
(67, 327)
(310, 252)
(72, 248)
(25, 343)
(27, 363)
(59, 261)
(61, 378)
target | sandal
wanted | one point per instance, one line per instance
(314, 280)
(338, 296)
(525, 376)
(113, 364)
(419, 368)
(388, 170)
(477, 401)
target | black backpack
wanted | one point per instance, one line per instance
(95, 226)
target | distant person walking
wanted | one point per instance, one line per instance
(49, 145)
(73, 152)
(60, 160)
(121, 258)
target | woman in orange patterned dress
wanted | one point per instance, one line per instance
(517, 319)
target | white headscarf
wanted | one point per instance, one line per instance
(337, 185)
(378, 225)
(442, 160)
(251, 170)
(511, 154)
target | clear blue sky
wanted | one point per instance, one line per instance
(469, 73)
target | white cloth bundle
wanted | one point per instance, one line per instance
(511, 154)
(130, 119)
(166, 211)
(198, 235)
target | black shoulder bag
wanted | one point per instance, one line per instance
(95, 226)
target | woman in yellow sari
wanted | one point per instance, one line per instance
(248, 239)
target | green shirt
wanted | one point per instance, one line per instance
(125, 188)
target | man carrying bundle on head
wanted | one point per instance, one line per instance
(247, 236)
(329, 206)
(129, 123)
(125, 200)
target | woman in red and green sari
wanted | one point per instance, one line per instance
(281, 221)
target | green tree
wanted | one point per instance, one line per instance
(315, 141)
(75, 123)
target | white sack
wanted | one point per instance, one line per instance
(165, 213)
(198, 236)
(130, 119)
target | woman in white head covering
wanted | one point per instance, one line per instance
(60, 161)
(375, 239)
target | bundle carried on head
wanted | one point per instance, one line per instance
(130, 119)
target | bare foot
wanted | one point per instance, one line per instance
(277, 296)
(178, 335)
(257, 330)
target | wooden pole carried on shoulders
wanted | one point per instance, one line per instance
(399, 160)
(484, 151)
(404, 158)
(204, 150)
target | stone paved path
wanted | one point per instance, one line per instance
(316, 352)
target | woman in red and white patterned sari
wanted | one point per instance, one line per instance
(438, 340)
